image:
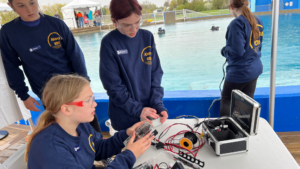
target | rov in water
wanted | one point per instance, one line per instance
(161, 31)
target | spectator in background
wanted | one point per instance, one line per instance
(56, 15)
(98, 19)
(76, 18)
(80, 18)
(90, 16)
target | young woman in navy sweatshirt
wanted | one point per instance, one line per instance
(130, 69)
(243, 52)
(43, 45)
(63, 137)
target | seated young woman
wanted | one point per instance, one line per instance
(64, 139)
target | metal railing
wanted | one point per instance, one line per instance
(187, 14)
(106, 20)
(153, 17)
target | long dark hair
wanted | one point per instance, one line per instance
(120, 9)
(246, 12)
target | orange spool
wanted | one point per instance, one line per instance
(186, 143)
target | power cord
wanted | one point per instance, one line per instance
(220, 90)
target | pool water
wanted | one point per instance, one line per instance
(190, 53)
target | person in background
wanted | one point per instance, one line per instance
(80, 18)
(57, 15)
(86, 19)
(243, 52)
(130, 69)
(90, 15)
(76, 18)
(63, 137)
(98, 19)
(44, 46)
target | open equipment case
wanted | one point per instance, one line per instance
(230, 135)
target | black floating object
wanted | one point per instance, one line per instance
(161, 31)
(214, 28)
(3, 134)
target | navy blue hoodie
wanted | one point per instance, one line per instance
(54, 148)
(130, 71)
(43, 51)
(242, 52)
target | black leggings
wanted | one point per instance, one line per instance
(248, 88)
(95, 123)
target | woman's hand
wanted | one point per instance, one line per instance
(164, 116)
(140, 146)
(130, 130)
(29, 104)
(147, 111)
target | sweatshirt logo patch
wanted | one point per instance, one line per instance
(122, 52)
(146, 55)
(92, 145)
(35, 48)
(54, 40)
(77, 148)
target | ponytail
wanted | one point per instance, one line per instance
(246, 12)
(250, 17)
(45, 120)
(59, 90)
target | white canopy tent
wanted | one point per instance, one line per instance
(81, 5)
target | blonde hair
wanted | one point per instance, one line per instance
(246, 12)
(59, 90)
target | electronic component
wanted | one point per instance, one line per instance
(191, 158)
(178, 165)
(140, 132)
(188, 140)
(106, 162)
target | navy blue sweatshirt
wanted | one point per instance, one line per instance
(130, 71)
(43, 51)
(242, 52)
(54, 148)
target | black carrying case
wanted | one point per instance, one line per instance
(230, 135)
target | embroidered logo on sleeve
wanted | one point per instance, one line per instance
(146, 55)
(54, 40)
(35, 48)
(77, 148)
(122, 52)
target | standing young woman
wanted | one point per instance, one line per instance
(64, 139)
(43, 45)
(130, 69)
(243, 52)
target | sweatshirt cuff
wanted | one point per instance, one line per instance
(123, 135)
(223, 50)
(23, 97)
(139, 111)
(160, 109)
(130, 155)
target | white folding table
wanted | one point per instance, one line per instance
(266, 150)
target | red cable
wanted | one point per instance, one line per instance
(169, 145)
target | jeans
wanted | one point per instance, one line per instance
(81, 25)
(98, 24)
(248, 88)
